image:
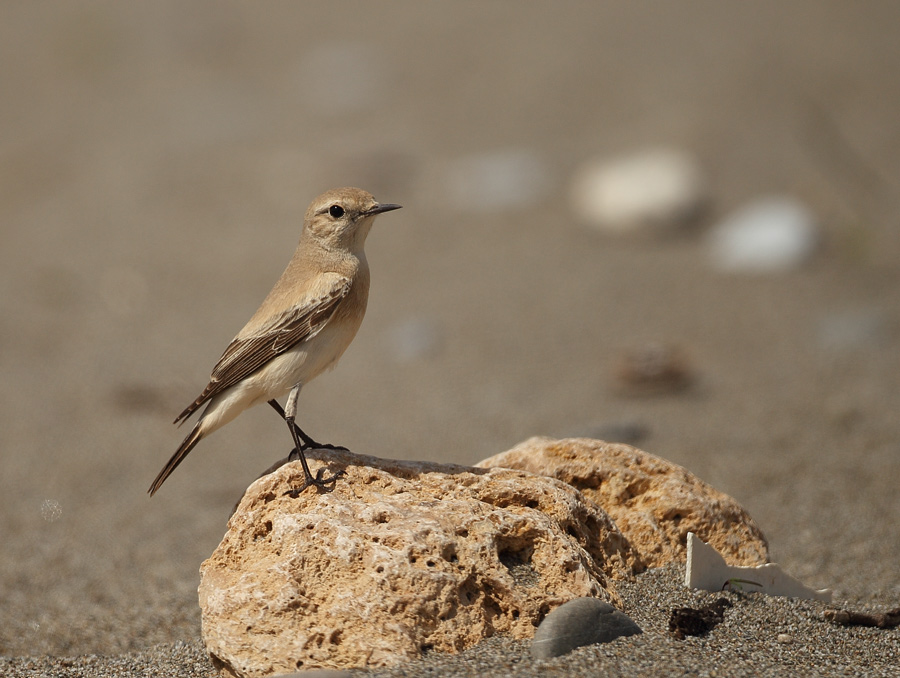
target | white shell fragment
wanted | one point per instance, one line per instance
(768, 235)
(708, 571)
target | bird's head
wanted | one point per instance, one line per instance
(340, 219)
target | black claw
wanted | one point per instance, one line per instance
(318, 481)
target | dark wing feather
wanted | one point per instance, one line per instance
(247, 354)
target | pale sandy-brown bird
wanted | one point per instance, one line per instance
(301, 329)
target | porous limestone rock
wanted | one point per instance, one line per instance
(397, 558)
(654, 502)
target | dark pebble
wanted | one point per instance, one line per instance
(583, 621)
(686, 621)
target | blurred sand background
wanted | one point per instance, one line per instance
(155, 163)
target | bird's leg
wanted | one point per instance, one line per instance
(288, 414)
(308, 443)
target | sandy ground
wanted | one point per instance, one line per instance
(156, 159)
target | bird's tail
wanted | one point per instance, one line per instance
(186, 446)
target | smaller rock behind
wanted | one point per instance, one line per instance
(654, 502)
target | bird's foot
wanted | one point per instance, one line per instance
(295, 454)
(327, 446)
(310, 444)
(318, 481)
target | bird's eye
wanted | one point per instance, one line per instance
(336, 211)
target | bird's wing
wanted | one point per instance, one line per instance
(246, 354)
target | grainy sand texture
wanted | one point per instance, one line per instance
(155, 162)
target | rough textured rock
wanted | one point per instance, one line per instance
(655, 503)
(399, 557)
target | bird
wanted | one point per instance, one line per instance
(300, 330)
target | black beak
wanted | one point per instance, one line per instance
(378, 209)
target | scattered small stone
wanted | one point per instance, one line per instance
(583, 621)
(508, 179)
(766, 236)
(687, 621)
(657, 189)
(653, 369)
(881, 620)
(785, 638)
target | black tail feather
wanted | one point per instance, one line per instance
(190, 409)
(186, 446)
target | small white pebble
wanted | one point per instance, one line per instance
(655, 189)
(765, 236)
(785, 638)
